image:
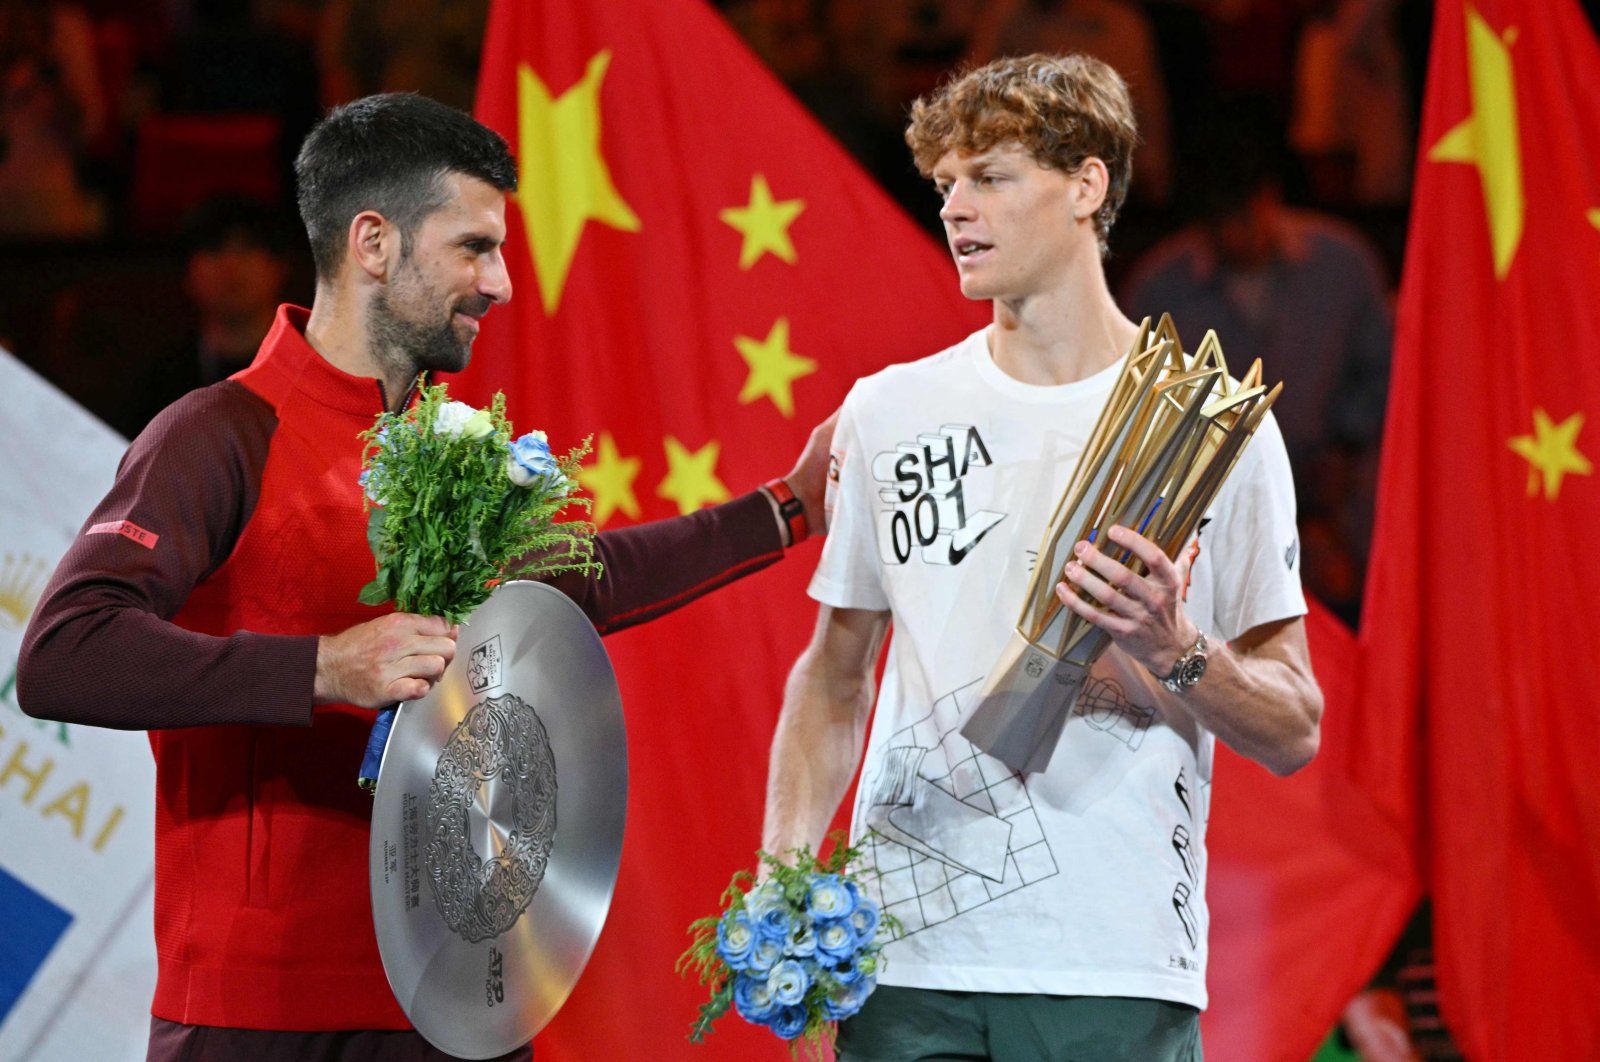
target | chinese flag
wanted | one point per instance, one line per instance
(1481, 699)
(700, 274)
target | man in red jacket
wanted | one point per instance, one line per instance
(212, 596)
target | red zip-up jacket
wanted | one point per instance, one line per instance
(190, 606)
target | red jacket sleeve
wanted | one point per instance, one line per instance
(653, 568)
(101, 648)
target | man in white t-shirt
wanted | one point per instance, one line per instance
(1059, 915)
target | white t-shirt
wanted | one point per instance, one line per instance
(1087, 878)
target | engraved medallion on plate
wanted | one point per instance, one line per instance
(497, 825)
(491, 817)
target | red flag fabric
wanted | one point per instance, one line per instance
(1479, 729)
(700, 275)
(1309, 881)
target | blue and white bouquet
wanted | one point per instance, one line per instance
(796, 951)
(458, 504)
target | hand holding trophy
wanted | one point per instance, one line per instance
(1170, 433)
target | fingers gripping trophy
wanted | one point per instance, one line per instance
(1171, 432)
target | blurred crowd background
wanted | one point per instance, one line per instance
(147, 231)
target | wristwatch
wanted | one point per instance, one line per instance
(1189, 667)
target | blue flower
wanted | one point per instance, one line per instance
(788, 1022)
(765, 896)
(836, 940)
(828, 898)
(847, 971)
(847, 999)
(788, 982)
(736, 938)
(856, 899)
(753, 999)
(530, 459)
(765, 955)
(802, 942)
(367, 487)
(864, 920)
(774, 923)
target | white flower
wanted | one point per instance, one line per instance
(459, 420)
(765, 897)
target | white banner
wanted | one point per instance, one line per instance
(77, 955)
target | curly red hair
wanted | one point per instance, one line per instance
(1062, 109)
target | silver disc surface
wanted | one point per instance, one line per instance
(497, 825)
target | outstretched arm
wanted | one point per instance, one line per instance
(820, 732)
(653, 568)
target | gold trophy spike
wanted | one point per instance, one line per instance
(1171, 431)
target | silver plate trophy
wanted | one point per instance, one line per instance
(497, 825)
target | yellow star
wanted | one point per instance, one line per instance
(1594, 218)
(692, 477)
(1551, 451)
(565, 180)
(764, 224)
(609, 477)
(773, 367)
(1488, 138)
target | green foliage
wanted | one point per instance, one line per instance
(447, 525)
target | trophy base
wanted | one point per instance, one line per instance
(1024, 704)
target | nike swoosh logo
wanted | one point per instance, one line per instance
(964, 539)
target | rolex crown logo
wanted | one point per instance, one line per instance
(21, 581)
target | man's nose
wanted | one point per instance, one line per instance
(494, 281)
(956, 204)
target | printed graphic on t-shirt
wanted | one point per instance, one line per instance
(953, 829)
(1183, 904)
(925, 497)
(1106, 707)
(1189, 860)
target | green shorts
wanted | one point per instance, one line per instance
(924, 1025)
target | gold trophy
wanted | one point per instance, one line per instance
(1167, 438)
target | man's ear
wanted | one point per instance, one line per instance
(1090, 183)
(373, 243)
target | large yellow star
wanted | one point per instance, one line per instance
(1488, 139)
(773, 367)
(692, 477)
(609, 477)
(1594, 218)
(565, 180)
(1551, 452)
(764, 223)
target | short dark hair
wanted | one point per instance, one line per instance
(390, 153)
